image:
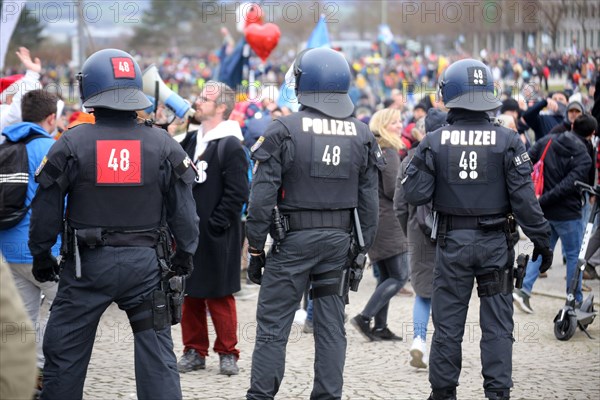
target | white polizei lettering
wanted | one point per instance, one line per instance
(464, 139)
(318, 126)
(348, 128)
(477, 139)
(469, 138)
(329, 126)
(339, 126)
(486, 138)
(445, 136)
(306, 124)
(326, 130)
(352, 129)
(456, 137)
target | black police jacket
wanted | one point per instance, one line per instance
(311, 161)
(119, 176)
(473, 167)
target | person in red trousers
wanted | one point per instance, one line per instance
(220, 191)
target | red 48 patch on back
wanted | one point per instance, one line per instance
(119, 162)
(123, 67)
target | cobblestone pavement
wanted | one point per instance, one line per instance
(544, 368)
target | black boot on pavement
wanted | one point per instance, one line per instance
(385, 334)
(443, 394)
(498, 394)
(363, 325)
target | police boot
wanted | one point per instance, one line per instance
(503, 394)
(443, 394)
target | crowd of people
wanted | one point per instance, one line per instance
(375, 79)
(396, 98)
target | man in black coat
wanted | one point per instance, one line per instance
(220, 191)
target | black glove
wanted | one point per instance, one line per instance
(257, 263)
(546, 254)
(182, 264)
(45, 268)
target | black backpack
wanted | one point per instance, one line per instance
(14, 180)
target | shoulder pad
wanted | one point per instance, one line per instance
(376, 156)
(53, 165)
(514, 138)
(521, 158)
(270, 142)
(182, 165)
(78, 127)
(47, 173)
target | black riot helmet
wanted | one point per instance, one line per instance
(469, 84)
(322, 80)
(112, 79)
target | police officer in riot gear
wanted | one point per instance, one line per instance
(129, 193)
(479, 177)
(313, 168)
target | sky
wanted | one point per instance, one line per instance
(103, 18)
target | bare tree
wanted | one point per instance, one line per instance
(553, 12)
(582, 12)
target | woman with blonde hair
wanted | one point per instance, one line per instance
(389, 251)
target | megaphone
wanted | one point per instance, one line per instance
(154, 85)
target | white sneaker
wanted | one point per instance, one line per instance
(521, 300)
(418, 353)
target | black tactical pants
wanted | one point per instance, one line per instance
(284, 281)
(468, 253)
(127, 276)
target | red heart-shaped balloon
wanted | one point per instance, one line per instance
(262, 38)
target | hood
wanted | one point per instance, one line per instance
(224, 129)
(435, 119)
(21, 130)
(566, 143)
(572, 103)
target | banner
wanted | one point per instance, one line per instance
(319, 36)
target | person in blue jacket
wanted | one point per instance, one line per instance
(38, 108)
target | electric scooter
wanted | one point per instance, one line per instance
(573, 315)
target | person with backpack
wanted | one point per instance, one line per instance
(220, 192)
(566, 161)
(26, 145)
